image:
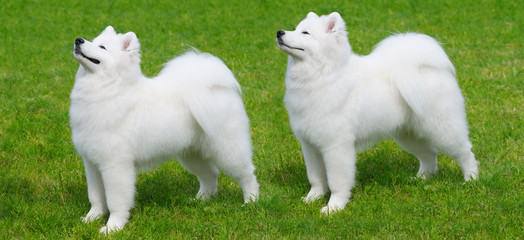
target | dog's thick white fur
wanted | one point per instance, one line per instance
(123, 122)
(340, 103)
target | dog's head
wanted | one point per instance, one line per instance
(108, 51)
(315, 37)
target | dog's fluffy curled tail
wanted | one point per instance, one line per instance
(199, 75)
(410, 53)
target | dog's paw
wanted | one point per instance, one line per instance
(327, 210)
(104, 230)
(116, 222)
(92, 215)
(308, 199)
(251, 198)
(108, 230)
(113, 226)
(313, 196)
(87, 219)
(202, 197)
(426, 173)
(470, 176)
(421, 177)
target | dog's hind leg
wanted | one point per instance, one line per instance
(448, 132)
(462, 154)
(468, 163)
(95, 192)
(205, 171)
(426, 154)
(233, 158)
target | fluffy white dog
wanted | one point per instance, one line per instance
(340, 103)
(123, 122)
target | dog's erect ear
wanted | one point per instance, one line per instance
(130, 42)
(312, 14)
(335, 23)
(109, 29)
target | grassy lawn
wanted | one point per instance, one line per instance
(43, 190)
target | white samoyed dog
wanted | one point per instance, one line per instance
(123, 122)
(340, 103)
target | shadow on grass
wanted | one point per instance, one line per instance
(165, 186)
(385, 165)
(171, 185)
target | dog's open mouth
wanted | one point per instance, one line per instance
(79, 52)
(281, 43)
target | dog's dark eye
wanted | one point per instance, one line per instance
(305, 32)
(102, 47)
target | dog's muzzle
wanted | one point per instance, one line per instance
(78, 50)
(281, 42)
(78, 42)
(280, 33)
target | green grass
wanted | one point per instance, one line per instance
(42, 182)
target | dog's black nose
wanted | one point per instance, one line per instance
(280, 33)
(79, 41)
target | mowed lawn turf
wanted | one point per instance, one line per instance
(43, 190)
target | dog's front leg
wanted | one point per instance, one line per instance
(340, 164)
(316, 172)
(95, 192)
(119, 182)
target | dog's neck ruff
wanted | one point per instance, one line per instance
(318, 73)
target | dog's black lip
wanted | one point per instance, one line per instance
(78, 51)
(281, 43)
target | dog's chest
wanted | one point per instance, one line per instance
(319, 112)
(317, 96)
